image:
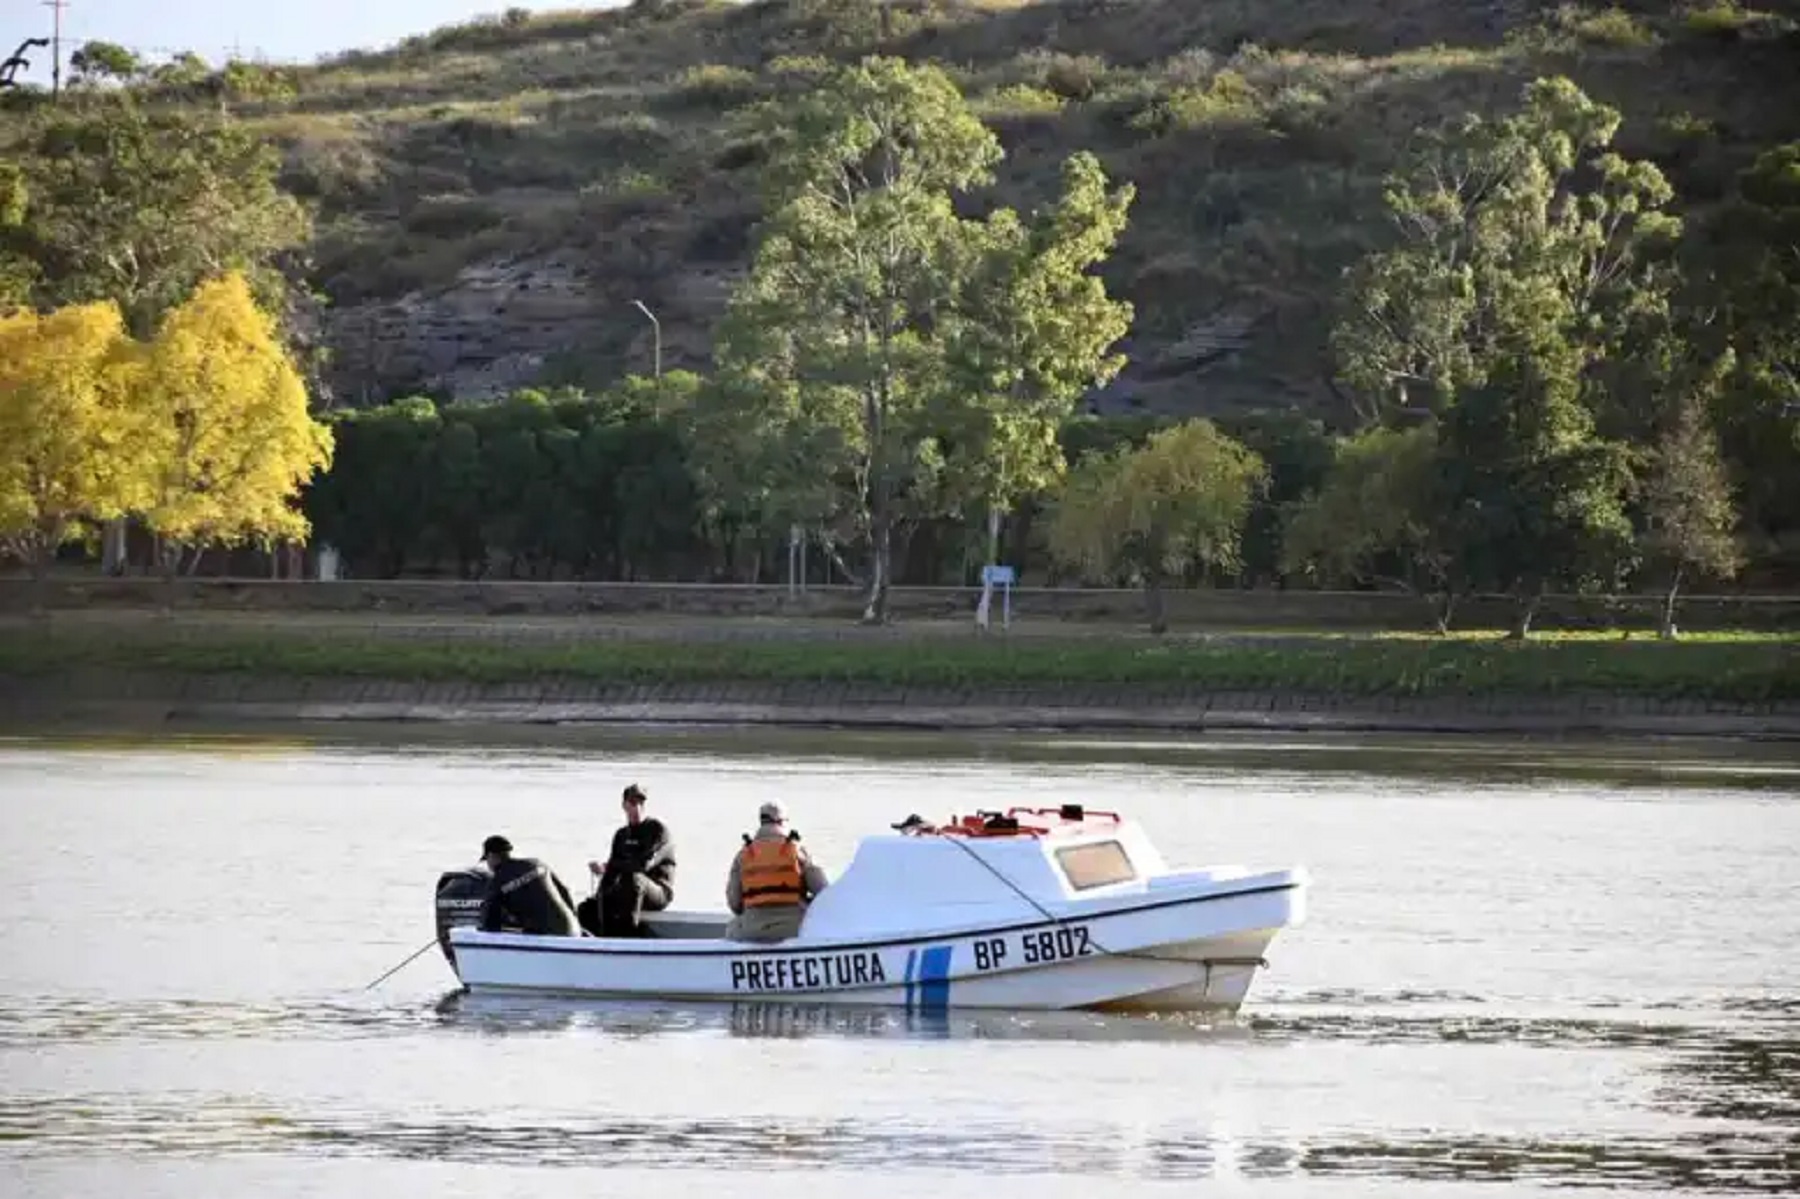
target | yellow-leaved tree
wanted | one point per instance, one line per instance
(230, 440)
(69, 426)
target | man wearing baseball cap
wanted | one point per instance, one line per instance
(772, 880)
(525, 894)
(638, 875)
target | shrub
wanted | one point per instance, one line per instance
(1070, 76)
(1191, 68)
(1021, 100)
(1685, 127)
(716, 85)
(804, 66)
(1074, 78)
(1229, 99)
(1298, 107)
(1721, 19)
(1611, 27)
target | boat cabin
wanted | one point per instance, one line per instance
(989, 868)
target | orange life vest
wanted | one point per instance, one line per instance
(771, 874)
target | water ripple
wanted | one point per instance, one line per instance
(36, 1021)
(198, 1126)
(1381, 1018)
(1531, 1031)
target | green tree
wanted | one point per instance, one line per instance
(375, 504)
(1755, 255)
(141, 206)
(557, 484)
(1154, 514)
(17, 272)
(1030, 336)
(1299, 454)
(1377, 520)
(868, 379)
(181, 75)
(1531, 498)
(1687, 515)
(104, 62)
(250, 81)
(518, 472)
(1532, 260)
(1529, 221)
(459, 490)
(641, 451)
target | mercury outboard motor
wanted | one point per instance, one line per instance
(459, 896)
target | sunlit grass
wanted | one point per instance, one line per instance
(1738, 668)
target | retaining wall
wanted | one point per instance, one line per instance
(97, 698)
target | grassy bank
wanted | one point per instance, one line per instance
(1737, 670)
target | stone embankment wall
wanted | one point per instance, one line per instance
(107, 698)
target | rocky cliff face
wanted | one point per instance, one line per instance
(491, 331)
(504, 325)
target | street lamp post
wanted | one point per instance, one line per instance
(656, 332)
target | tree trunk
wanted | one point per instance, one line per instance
(41, 552)
(882, 539)
(833, 559)
(1667, 630)
(113, 548)
(168, 561)
(1155, 603)
(1522, 618)
(1443, 608)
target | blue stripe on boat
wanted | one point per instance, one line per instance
(912, 962)
(934, 978)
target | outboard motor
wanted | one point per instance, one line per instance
(459, 896)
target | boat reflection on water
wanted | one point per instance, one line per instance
(500, 1014)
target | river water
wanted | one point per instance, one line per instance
(1527, 966)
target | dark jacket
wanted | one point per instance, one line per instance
(644, 848)
(525, 894)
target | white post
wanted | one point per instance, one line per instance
(985, 607)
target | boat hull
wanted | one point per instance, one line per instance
(1197, 952)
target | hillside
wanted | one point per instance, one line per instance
(492, 197)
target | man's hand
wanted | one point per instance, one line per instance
(596, 868)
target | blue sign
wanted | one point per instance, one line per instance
(1002, 576)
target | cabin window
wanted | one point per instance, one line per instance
(1099, 864)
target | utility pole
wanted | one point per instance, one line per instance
(56, 7)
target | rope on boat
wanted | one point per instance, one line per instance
(421, 949)
(1206, 964)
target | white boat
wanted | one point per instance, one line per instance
(1056, 908)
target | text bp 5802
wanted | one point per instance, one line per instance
(863, 968)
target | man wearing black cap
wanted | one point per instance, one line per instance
(637, 877)
(524, 894)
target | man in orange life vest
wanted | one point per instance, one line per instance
(772, 880)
